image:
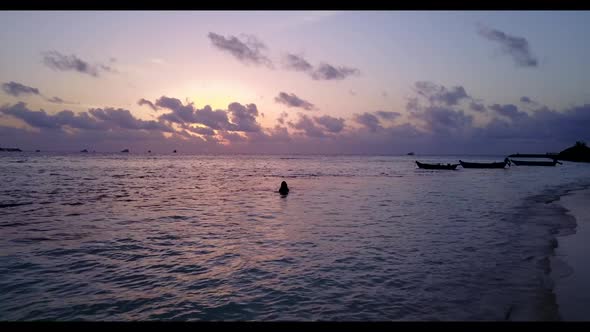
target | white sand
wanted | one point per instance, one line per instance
(571, 265)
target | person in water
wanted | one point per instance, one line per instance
(284, 190)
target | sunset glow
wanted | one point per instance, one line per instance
(384, 82)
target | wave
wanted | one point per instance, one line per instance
(544, 220)
(8, 205)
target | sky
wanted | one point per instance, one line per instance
(350, 82)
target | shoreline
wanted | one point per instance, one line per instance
(569, 268)
(545, 222)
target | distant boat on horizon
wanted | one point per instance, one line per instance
(125, 151)
(410, 153)
(84, 151)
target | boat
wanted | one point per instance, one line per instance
(125, 151)
(410, 153)
(436, 166)
(534, 163)
(485, 165)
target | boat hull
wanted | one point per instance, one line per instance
(437, 166)
(533, 163)
(482, 165)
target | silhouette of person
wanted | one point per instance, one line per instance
(284, 190)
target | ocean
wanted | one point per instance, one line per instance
(122, 237)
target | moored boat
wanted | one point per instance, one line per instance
(534, 163)
(485, 165)
(436, 166)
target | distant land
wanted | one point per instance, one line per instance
(11, 149)
(580, 152)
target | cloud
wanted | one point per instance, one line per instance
(322, 72)
(243, 117)
(544, 128)
(38, 119)
(123, 118)
(438, 94)
(60, 62)
(188, 114)
(205, 131)
(509, 111)
(281, 118)
(180, 113)
(517, 47)
(527, 100)
(478, 107)
(328, 72)
(276, 134)
(444, 121)
(216, 119)
(413, 104)
(370, 121)
(144, 101)
(233, 137)
(16, 89)
(291, 100)
(296, 62)
(306, 124)
(248, 51)
(387, 115)
(332, 124)
(431, 127)
(57, 100)
(442, 115)
(94, 119)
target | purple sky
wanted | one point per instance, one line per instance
(295, 82)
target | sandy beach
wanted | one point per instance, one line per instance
(571, 270)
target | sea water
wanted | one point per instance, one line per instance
(204, 237)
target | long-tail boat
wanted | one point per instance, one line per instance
(534, 163)
(436, 166)
(501, 164)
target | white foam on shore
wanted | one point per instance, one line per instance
(570, 268)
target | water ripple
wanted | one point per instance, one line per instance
(110, 237)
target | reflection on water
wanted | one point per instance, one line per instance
(128, 237)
